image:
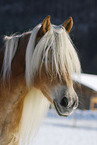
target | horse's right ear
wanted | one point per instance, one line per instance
(45, 26)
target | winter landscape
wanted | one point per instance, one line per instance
(78, 129)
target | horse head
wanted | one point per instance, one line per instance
(55, 62)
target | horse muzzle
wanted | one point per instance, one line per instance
(62, 108)
(65, 101)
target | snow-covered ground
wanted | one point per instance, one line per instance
(78, 129)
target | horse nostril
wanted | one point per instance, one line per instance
(64, 102)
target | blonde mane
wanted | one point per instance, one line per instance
(35, 107)
(63, 57)
(55, 41)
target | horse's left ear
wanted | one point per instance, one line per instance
(44, 28)
(68, 24)
(45, 25)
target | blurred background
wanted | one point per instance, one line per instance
(21, 16)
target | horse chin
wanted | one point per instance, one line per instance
(62, 111)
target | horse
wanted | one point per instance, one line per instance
(36, 70)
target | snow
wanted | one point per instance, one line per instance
(86, 80)
(74, 130)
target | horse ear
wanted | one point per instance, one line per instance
(44, 28)
(68, 24)
(45, 25)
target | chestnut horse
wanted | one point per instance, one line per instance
(36, 69)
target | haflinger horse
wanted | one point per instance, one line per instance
(36, 70)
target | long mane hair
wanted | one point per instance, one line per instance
(54, 48)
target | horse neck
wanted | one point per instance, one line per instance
(18, 64)
(13, 91)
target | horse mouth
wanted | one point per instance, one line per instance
(61, 110)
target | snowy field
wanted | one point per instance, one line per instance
(78, 129)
